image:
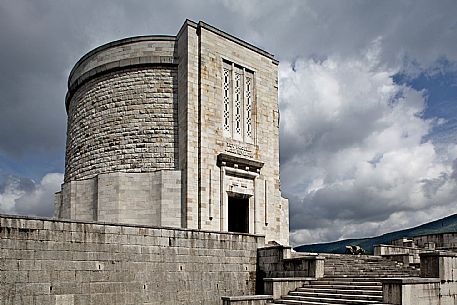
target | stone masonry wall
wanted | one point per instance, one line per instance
(133, 198)
(123, 121)
(44, 261)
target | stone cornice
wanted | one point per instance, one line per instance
(116, 43)
(151, 61)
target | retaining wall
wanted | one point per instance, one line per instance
(46, 261)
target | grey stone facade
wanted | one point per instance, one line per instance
(178, 131)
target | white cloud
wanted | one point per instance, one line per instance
(23, 196)
(353, 155)
(10, 192)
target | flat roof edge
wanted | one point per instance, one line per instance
(188, 22)
(237, 40)
(118, 42)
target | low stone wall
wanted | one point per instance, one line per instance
(406, 255)
(411, 291)
(45, 261)
(279, 262)
(247, 300)
(436, 286)
(279, 287)
(442, 241)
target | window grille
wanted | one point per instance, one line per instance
(248, 103)
(238, 102)
(227, 74)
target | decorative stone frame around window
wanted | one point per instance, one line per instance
(238, 102)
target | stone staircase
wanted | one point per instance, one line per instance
(336, 291)
(348, 279)
(341, 265)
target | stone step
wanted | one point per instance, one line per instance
(354, 273)
(332, 295)
(345, 287)
(377, 275)
(292, 302)
(296, 302)
(329, 300)
(344, 282)
(365, 266)
(355, 270)
(352, 265)
(348, 279)
(349, 265)
(341, 291)
(372, 274)
(355, 261)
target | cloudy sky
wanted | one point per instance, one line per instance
(368, 99)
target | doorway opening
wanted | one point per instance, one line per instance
(238, 214)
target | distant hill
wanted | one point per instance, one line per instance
(444, 225)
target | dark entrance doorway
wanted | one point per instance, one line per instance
(238, 214)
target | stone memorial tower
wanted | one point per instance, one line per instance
(175, 131)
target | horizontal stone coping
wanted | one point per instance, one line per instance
(120, 42)
(306, 254)
(248, 297)
(270, 246)
(289, 279)
(410, 280)
(399, 254)
(402, 247)
(439, 253)
(20, 217)
(305, 258)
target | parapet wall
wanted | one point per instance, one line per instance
(45, 261)
(443, 240)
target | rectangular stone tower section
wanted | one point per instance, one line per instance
(187, 41)
(229, 123)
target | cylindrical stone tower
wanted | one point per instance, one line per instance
(122, 109)
(177, 131)
(122, 134)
